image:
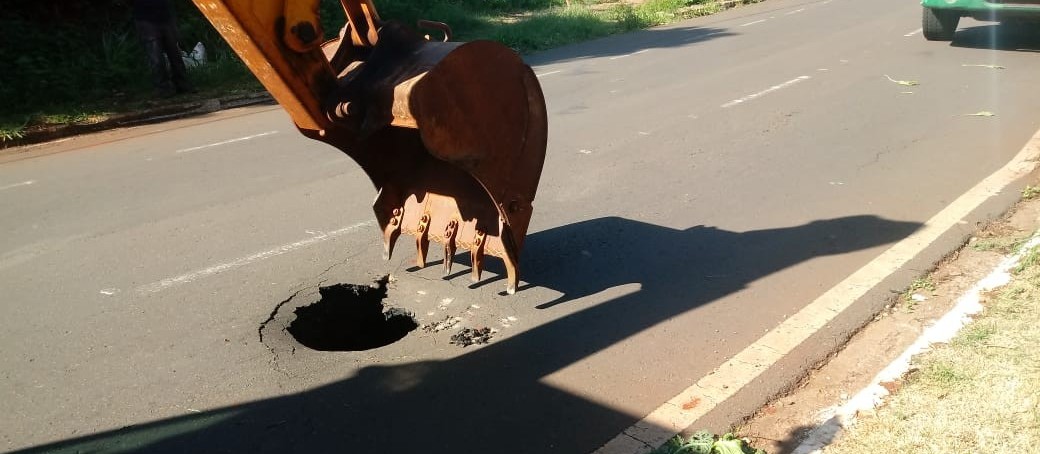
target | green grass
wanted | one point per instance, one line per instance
(221, 77)
(919, 284)
(1029, 260)
(1003, 244)
(1030, 192)
(101, 70)
(975, 335)
(12, 129)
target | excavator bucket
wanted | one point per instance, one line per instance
(452, 135)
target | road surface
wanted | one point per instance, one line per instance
(703, 182)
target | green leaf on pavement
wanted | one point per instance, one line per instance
(908, 83)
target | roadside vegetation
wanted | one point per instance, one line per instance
(78, 61)
(704, 442)
(980, 393)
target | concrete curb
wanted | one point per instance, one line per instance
(153, 115)
(780, 359)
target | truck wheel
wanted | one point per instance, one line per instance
(939, 25)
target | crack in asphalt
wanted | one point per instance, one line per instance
(263, 325)
(321, 279)
(648, 445)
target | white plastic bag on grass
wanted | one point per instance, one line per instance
(197, 57)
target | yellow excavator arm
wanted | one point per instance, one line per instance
(452, 135)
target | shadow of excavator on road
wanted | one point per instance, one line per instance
(494, 399)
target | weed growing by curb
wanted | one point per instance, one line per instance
(919, 284)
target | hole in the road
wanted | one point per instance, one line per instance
(350, 317)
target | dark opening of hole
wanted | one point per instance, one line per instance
(350, 317)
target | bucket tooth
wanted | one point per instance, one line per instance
(422, 241)
(449, 245)
(476, 255)
(391, 232)
(512, 278)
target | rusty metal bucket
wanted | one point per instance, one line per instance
(453, 135)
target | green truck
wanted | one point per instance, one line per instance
(940, 17)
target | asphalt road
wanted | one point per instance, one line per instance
(703, 181)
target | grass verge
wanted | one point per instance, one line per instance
(980, 393)
(524, 25)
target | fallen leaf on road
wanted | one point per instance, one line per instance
(985, 66)
(908, 83)
(982, 114)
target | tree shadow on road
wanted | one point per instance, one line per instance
(627, 43)
(495, 399)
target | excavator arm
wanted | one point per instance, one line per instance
(452, 135)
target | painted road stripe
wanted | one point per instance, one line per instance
(242, 261)
(15, 185)
(794, 12)
(240, 139)
(629, 55)
(914, 32)
(753, 23)
(766, 91)
(678, 413)
(546, 74)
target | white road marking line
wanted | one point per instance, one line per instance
(242, 261)
(835, 419)
(914, 32)
(546, 74)
(15, 185)
(753, 23)
(629, 55)
(794, 12)
(240, 139)
(766, 91)
(746, 366)
(109, 291)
